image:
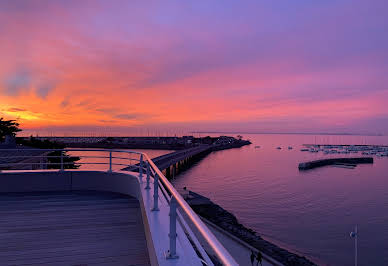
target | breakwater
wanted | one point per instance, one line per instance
(214, 213)
(334, 161)
(165, 143)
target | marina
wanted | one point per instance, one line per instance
(377, 150)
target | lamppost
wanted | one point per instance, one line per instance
(355, 235)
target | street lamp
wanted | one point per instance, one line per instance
(354, 235)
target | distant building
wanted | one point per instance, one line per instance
(225, 140)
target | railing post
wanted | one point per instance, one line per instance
(156, 192)
(110, 162)
(148, 176)
(171, 254)
(141, 168)
(61, 160)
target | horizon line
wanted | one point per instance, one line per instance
(289, 133)
(213, 132)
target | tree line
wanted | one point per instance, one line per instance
(12, 127)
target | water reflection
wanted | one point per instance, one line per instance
(312, 211)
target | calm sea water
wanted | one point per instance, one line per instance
(90, 160)
(309, 212)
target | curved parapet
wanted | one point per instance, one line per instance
(169, 240)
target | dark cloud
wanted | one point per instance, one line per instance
(17, 82)
(127, 116)
(23, 80)
(107, 121)
(43, 90)
(107, 110)
(84, 103)
(65, 102)
(14, 109)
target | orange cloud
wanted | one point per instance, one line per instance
(85, 66)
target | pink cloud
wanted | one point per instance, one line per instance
(193, 64)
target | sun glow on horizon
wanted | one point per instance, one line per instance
(261, 67)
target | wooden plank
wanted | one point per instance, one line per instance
(55, 210)
(71, 229)
(118, 217)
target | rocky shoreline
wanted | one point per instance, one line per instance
(216, 214)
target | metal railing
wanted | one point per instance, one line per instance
(145, 166)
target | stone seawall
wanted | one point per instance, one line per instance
(227, 221)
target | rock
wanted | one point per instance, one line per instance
(214, 213)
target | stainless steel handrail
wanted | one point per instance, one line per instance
(221, 253)
(213, 242)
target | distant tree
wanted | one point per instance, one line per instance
(11, 127)
(207, 140)
(54, 162)
(8, 127)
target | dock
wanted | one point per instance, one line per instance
(170, 164)
(335, 161)
(165, 161)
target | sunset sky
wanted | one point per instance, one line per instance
(127, 67)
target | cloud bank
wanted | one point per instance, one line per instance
(253, 66)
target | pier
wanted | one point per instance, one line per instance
(172, 163)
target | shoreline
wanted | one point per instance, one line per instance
(292, 249)
(211, 211)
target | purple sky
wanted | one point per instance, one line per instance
(253, 66)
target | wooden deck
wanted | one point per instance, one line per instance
(71, 228)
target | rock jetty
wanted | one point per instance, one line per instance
(214, 213)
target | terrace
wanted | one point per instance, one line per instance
(103, 216)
